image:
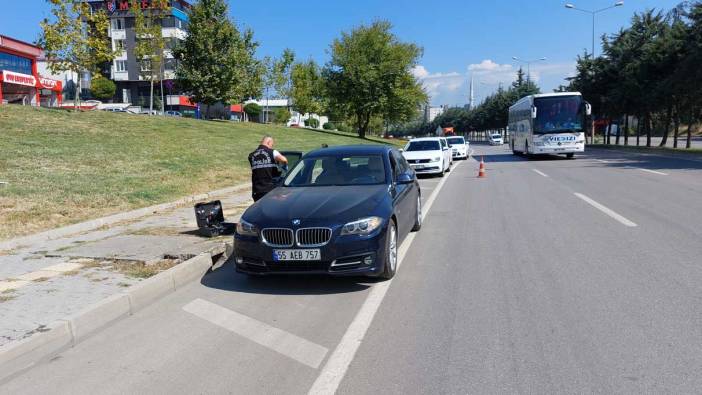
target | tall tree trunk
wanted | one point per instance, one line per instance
(626, 129)
(668, 118)
(608, 131)
(76, 99)
(676, 131)
(619, 131)
(648, 127)
(688, 143)
(151, 98)
(638, 130)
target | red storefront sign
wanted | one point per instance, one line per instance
(48, 83)
(18, 78)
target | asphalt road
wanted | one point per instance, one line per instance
(548, 276)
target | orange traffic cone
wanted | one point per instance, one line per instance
(481, 171)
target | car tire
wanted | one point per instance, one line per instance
(390, 252)
(570, 155)
(418, 215)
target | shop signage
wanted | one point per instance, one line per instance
(123, 5)
(18, 78)
(48, 83)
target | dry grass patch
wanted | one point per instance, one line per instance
(140, 270)
(6, 298)
(41, 279)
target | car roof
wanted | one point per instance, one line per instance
(370, 149)
(427, 139)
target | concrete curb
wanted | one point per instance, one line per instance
(112, 219)
(62, 334)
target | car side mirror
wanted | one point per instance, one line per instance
(533, 112)
(588, 109)
(405, 178)
(401, 149)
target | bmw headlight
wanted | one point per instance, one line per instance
(362, 227)
(246, 229)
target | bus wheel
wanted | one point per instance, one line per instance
(570, 155)
(514, 152)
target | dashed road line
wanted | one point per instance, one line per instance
(278, 340)
(540, 172)
(660, 173)
(606, 210)
(338, 363)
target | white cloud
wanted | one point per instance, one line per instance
(452, 87)
(440, 86)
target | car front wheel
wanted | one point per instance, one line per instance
(418, 215)
(390, 252)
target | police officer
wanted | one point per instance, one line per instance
(263, 167)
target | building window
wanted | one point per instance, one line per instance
(120, 45)
(145, 65)
(15, 63)
(118, 24)
(169, 64)
(120, 65)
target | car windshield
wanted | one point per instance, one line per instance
(558, 114)
(425, 145)
(340, 170)
(456, 140)
(496, 136)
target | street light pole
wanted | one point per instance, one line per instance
(528, 63)
(593, 13)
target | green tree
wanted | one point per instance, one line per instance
(76, 39)
(281, 115)
(102, 88)
(369, 76)
(215, 61)
(307, 88)
(150, 43)
(252, 110)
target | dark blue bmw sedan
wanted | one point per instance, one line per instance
(340, 211)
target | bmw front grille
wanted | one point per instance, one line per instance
(277, 237)
(313, 237)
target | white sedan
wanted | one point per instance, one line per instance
(496, 139)
(459, 147)
(429, 155)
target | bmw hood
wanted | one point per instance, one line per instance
(324, 205)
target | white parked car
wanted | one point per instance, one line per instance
(496, 139)
(429, 155)
(459, 147)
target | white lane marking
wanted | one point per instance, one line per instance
(295, 347)
(540, 172)
(335, 369)
(605, 210)
(653, 171)
(603, 161)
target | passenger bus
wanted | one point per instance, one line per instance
(550, 123)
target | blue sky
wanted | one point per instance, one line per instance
(459, 37)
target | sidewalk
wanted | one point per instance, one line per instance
(48, 280)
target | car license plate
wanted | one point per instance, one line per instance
(296, 255)
(418, 166)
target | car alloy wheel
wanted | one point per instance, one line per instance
(392, 248)
(390, 252)
(418, 215)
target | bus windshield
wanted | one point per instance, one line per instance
(558, 114)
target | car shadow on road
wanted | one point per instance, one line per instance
(227, 279)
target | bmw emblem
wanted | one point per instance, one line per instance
(296, 222)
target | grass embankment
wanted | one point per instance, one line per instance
(64, 167)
